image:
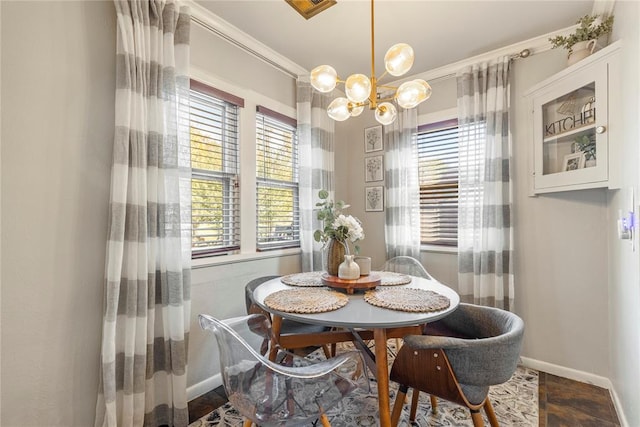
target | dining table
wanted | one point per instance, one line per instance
(358, 321)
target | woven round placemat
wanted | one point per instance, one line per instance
(306, 300)
(407, 299)
(303, 279)
(389, 278)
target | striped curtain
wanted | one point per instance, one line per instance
(402, 211)
(315, 144)
(147, 302)
(485, 235)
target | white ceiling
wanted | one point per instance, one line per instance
(440, 32)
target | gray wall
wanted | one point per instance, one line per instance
(561, 250)
(58, 86)
(624, 263)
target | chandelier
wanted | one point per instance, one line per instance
(362, 90)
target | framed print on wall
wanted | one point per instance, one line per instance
(373, 139)
(373, 170)
(374, 199)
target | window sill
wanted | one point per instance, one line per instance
(236, 258)
(439, 249)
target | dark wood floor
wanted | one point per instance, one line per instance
(562, 403)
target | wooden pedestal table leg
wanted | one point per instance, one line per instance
(382, 370)
(276, 326)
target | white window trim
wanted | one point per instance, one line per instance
(423, 119)
(247, 147)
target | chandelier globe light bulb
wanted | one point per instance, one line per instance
(324, 78)
(339, 109)
(399, 59)
(386, 113)
(412, 93)
(357, 87)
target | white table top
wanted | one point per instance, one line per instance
(360, 314)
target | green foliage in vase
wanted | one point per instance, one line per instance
(336, 226)
(591, 27)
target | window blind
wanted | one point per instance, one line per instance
(277, 205)
(215, 206)
(438, 175)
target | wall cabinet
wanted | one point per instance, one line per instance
(571, 117)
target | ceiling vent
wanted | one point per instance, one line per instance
(309, 8)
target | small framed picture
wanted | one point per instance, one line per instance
(373, 139)
(373, 170)
(573, 161)
(374, 199)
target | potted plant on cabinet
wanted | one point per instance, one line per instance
(584, 40)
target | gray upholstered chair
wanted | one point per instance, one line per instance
(289, 327)
(458, 358)
(406, 265)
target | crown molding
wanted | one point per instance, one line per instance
(535, 45)
(237, 37)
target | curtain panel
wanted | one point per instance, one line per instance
(316, 148)
(485, 233)
(402, 210)
(147, 287)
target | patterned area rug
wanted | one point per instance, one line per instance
(515, 403)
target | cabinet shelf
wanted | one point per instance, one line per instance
(572, 132)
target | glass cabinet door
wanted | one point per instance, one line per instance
(568, 128)
(570, 139)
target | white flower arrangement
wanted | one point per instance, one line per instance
(335, 224)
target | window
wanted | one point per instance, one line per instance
(215, 217)
(438, 175)
(277, 210)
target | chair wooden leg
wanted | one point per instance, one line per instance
(398, 404)
(434, 403)
(324, 420)
(327, 352)
(247, 423)
(488, 408)
(415, 395)
(477, 419)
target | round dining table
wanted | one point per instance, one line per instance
(359, 320)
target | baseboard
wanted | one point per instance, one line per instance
(585, 377)
(618, 405)
(203, 387)
(565, 372)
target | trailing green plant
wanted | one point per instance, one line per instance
(587, 145)
(591, 27)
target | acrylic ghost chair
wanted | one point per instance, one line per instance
(288, 327)
(290, 390)
(406, 265)
(458, 359)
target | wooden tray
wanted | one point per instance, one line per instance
(363, 283)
